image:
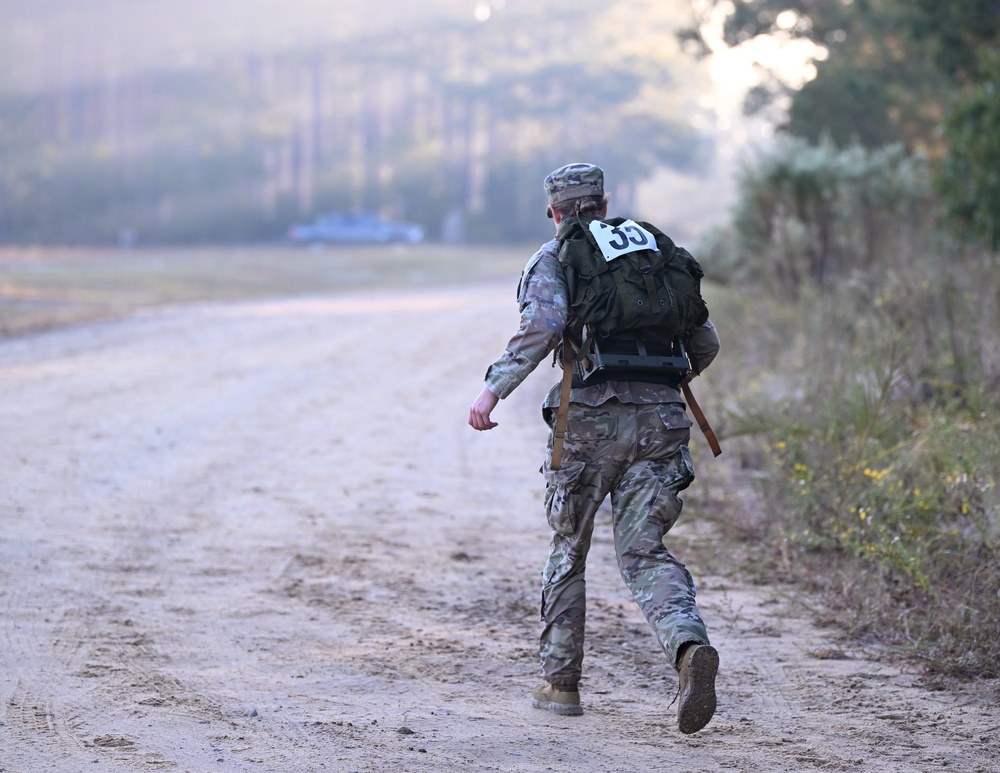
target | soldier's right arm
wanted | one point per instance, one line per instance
(482, 407)
(544, 312)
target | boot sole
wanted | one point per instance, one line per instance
(566, 710)
(698, 706)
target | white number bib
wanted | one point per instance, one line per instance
(618, 240)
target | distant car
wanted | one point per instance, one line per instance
(347, 228)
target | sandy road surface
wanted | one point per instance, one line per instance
(260, 537)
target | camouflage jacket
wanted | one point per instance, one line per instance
(543, 300)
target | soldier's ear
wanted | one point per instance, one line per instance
(548, 212)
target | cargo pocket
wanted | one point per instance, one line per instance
(678, 473)
(563, 497)
(673, 416)
(665, 508)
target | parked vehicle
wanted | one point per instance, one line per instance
(348, 228)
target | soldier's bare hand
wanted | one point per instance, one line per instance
(482, 407)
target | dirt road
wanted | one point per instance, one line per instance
(261, 537)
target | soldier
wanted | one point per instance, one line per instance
(624, 438)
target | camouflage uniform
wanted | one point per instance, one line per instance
(625, 439)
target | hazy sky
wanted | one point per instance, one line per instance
(51, 43)
(44, 43)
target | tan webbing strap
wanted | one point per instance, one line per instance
(561, 417)
(699, 416)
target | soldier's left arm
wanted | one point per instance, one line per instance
(703, 345)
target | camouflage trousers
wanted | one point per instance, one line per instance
(639, 455)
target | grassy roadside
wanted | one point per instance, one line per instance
(860, 445)
(861, 385)
(45, 288)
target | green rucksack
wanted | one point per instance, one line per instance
(637, 293)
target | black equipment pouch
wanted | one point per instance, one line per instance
(630, 358)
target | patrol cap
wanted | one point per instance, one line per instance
(574, 181)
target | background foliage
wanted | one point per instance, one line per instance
(866, 290)
(421, 113)
(919, 73)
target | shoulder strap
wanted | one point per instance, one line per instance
(559, 433)
(699, 416)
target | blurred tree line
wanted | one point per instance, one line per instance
(447, 121)
(919, 73)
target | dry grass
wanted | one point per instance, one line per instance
(45, 288)
(865, 439)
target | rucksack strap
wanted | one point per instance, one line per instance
(699, 416)
(559, 433)
(647, 277)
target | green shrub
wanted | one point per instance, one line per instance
(813, 214)
(970, 175)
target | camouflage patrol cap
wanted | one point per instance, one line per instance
(574, 181)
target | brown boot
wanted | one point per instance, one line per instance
(561, 700)
(697, 668)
